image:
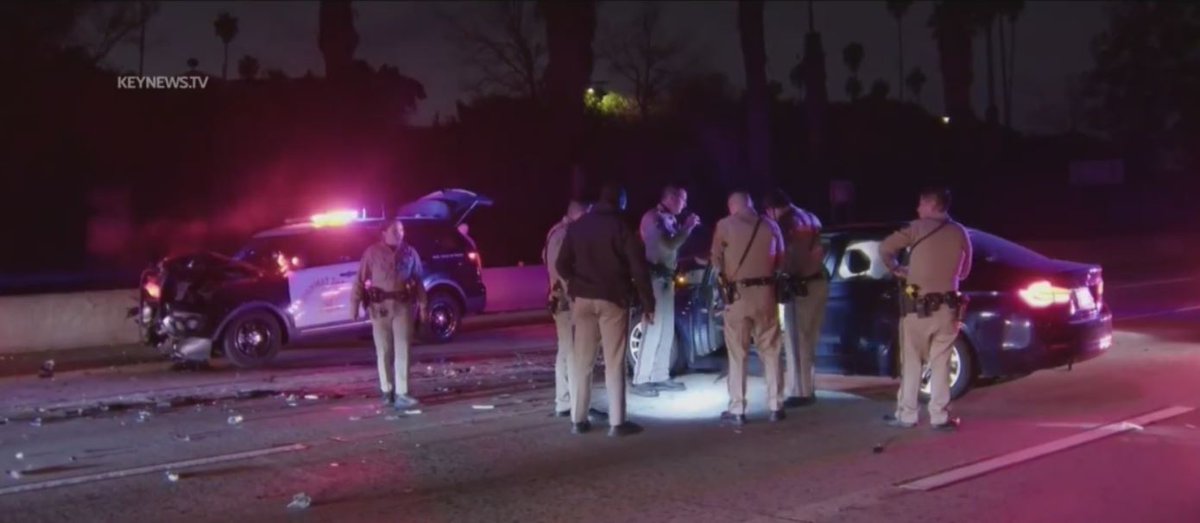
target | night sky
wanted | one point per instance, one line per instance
(1053, 42)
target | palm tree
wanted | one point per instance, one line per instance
(754, 57)
(953, 29)
(570, 31)
(226, 27)
(1008, 11)
(248, 67)
(915, 82)
(985, 17)
(898, 8)
(852, 55)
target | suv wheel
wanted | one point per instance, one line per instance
(252, 339)
(445, 316)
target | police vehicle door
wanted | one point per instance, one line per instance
(321, 286)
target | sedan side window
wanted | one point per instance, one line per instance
(861, 261)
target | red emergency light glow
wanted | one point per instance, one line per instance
(153, 290)
(333, 218)
(1043, 294)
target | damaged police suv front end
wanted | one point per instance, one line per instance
(185, 302)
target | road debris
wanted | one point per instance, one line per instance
(144, 415)
(37, 422)
(412, 412)
(335, 464)
(20, 456)
(311, 397)
(300, 501)
(236, 420)
(878, 449)
(355, 418)
(391, 417)
(47, 370)
(15, 474)
(173, 477)
(483, 407)
(183, 437)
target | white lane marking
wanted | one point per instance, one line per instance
(1190, 308)
(956, 475)
(1150, 283)
(116, 474)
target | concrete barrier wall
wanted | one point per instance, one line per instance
(516, 288)
(1124, 251)
(91, 319)
(94, 319)
(66, 321)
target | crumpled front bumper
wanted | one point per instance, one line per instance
(178, 335)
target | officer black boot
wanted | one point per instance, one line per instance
(581, 428)
(736, 420)
(777, 416)
(389, 398)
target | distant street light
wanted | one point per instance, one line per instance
(946, 120)
(591, 90)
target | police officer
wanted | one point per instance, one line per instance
(939, 258)
(389, 286)
(747, 250)
(805, 285)
(663, 235)
(604, 264)
(559, 306)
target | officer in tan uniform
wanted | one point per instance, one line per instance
(804, 287)
(389, 286)
(747, 250)
(559, 305)
(939, 258)
(663, 235)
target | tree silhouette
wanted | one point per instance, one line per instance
(754, 58)
(853, 55)
(953, 28)
(1008, 12)
(570, 31)
(1146, 75)
(986, 14)
(915, 82)
(643, 56)
(898, 8)
(880, 89)
(192, 64)
(226, 28)
(248, 67)
(504, 46)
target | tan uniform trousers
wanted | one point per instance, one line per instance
(755, 315)
(802, 318)
(562, 361)
(598, 323)
(393, 335)
(926, 339)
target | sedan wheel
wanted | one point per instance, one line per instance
(961, 376)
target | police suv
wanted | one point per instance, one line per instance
(294, 282)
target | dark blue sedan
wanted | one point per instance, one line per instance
(1027, 311)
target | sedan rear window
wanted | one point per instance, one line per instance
(994, 249)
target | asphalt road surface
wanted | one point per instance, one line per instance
(1116, 439)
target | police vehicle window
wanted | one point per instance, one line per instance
(333, 246)
(861, 261)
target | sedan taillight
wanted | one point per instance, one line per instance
(1042, 294)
